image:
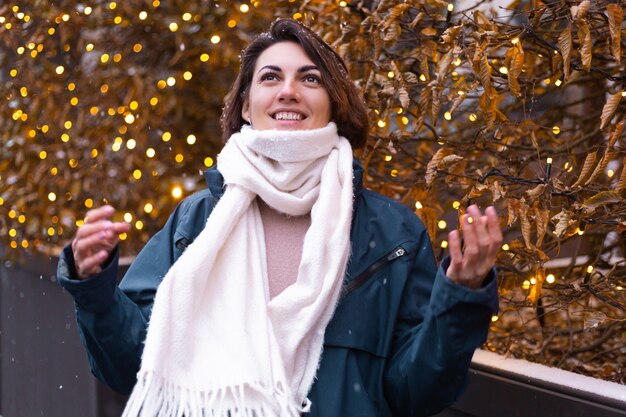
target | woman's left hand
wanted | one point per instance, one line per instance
(469, 267)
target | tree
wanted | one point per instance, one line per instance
(523, 109)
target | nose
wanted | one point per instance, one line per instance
(289, 91)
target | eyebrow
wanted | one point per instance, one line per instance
(278, 69)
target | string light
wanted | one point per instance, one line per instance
(131, 143)
(177, 192)
(494, 318)
(390, 74)
(381, 123)
(204, 57)
(171, 81)
(550, 279)
(472, 117)
(506, 247)
(444, 244)
(187, 17)
(179, 157)
(166, 136)
(150, 152)
(173, 26)
(503, 70)
(208, 162)
(244, 8)
(148, 207)
(215, 39)
(447, 115)
(128, 217)
(143, 15)
(52, 196)
(138, 225)
(187, 75)
(456, 205)
(388, 158)
(137, 174)
(191, 139)
(418, 205)
(556, 130)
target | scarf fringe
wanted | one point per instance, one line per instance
(155, 396)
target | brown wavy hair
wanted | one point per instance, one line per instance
(348, 109)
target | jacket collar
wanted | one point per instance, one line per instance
(215, 181)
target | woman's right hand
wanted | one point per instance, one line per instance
(95, 240)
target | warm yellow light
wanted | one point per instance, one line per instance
(244, 8)
(54, 171)
(388, 158)
(550, 279)
(394, 173)
(610, 173)
(137, 47)
(112, 5)
(59, 70)
(547, 81)
(143, 15)
(187, 75)
(506, 247)
(503, 70)
(187, 17)
(154, 101)
(50, 231)
(148, 207)
(117, 20)
(150, 152)
(139, 225)
(444, 244)
(104, 88)
(442, 224)
(12, 232)
(422, 77)
(623, 93)
(65, 137)
(589, 269)
(558, 83)
(179, 157)
(204, 57)
(514, 41)
(556, 130)
(43, 155)
(156, 3)
(177, 192)
(450, 7)
(117, 57)
(88, 10)
(447, 115)
(232, 23)
(191, 139)
(208, 162)
(94, 153)
(619, 288)
(13, 244)
(74, 101)
(533, 280)
(381, 123)
(390, 74)
(104, 58)
(25, 244)
(51, 31)
(133, 105)
(166, 136)
(549, 161)
(13, 72)
(65, 17)
(12, 214)
(173, 26)
(52, 196)
(215, 39)
(44, 128)
(131, 143)
(472, 117)
(128, 217)
(405, 120)
(32, 133)
(161, 84)
(137, 174)
(456, 205)
(343, 3)
(68, 124)
(418, 205)
(73, 163)
(171, 81)
(123, 236)
(129, 118)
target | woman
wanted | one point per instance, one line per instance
(295, 256)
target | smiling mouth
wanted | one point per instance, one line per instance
(289, 116)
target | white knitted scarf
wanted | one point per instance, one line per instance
(217, 345)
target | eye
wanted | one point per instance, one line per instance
(268, 76)
(312, 78)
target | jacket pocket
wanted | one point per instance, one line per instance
(365, 314)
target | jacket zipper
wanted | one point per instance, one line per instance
(358, 282)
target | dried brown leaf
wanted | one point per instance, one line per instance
(448, 36)
(418, 18)
(484, 23)
(615, 134)
(615, 28)
(580, 10)
(621, 183)
(609, 108)
(485, 73)
(433, 165)
(536, 192)
(565, 44)
(443, 65)
(535, 289)
(435, 104)
(403, 96)
(584, 37)
(588, 165)
(601, 199)
(525, 224)
(563, 221)
(542, 217)
(608, 155)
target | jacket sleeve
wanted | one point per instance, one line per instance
(439, 325)
(112, 320)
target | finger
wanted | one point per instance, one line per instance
(97, 227)
(85, 246)
(100, 213)
(494, 230)
(471, 251)
(480, 228)
(121, 227)
(456, 255)
(92, 264)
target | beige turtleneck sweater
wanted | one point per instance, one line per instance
(284, 239)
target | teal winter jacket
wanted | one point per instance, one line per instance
(400, 341)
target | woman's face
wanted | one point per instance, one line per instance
(286, 91)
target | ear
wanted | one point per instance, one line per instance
(245, 111)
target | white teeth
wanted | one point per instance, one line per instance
(288, 116)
